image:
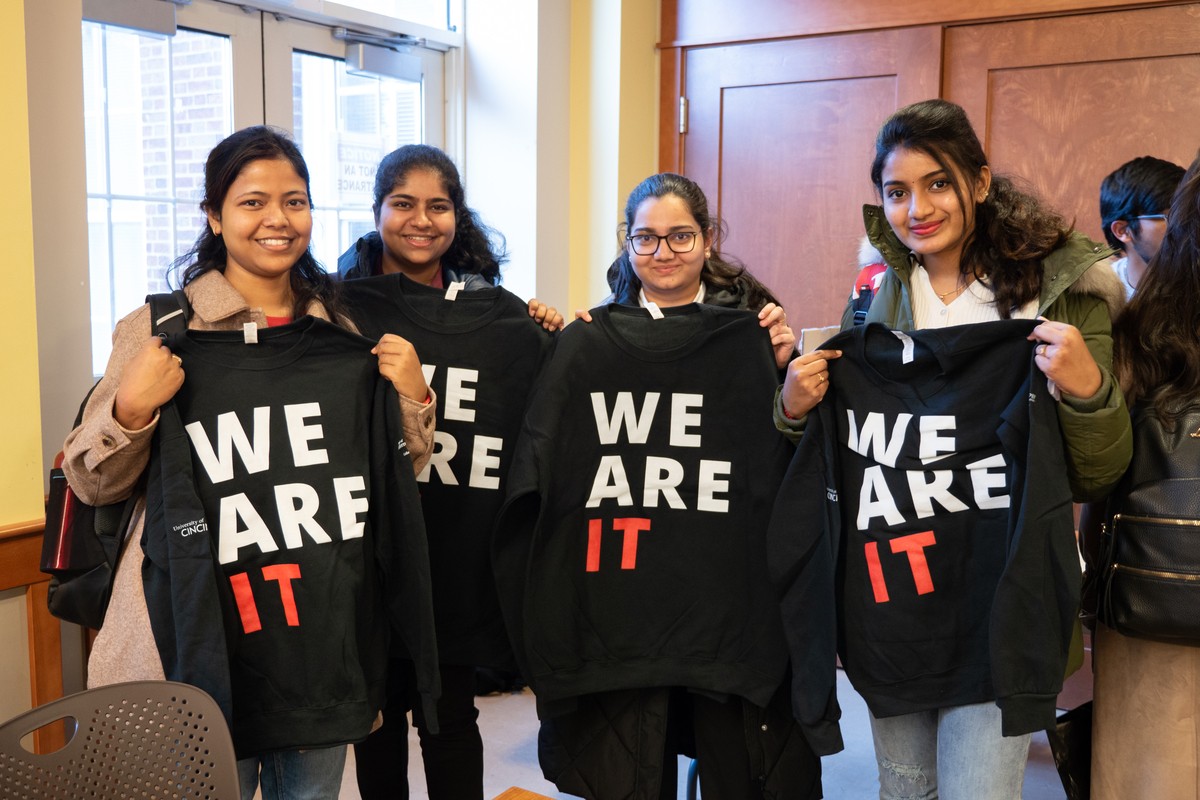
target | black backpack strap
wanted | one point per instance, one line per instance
(862, 303)
(169, 312)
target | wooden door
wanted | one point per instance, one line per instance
(1063, 101)
(780, 137)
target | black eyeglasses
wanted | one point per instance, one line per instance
(646, 244)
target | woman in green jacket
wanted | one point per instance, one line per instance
(964, 246)
(984, 250)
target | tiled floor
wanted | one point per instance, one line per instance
(510, 739)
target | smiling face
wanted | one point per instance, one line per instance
(924, 210)
(265, 221)
(416, 223)
(668, 278)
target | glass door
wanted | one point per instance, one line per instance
(346, 119)
(156, 104)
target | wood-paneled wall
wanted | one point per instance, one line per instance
(20, 554)
(688, 23)
(784, 100)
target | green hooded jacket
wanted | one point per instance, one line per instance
(1079, 288)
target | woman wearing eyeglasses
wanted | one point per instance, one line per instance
(669, 257)
(623, 741)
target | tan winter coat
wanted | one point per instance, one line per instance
(104, 461)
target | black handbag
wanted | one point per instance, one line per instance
(1071, 745)
(1150, 586)
(81, 543)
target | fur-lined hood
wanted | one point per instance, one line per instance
(867, 254)
(1101, 279)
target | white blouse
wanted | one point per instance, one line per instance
(976, 303)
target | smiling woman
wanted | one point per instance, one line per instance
(265, 221)
(424, 230)
(965, 246)
(925, 210)
(250, 268)
(670, 256)
(665, 255)
(416, 223)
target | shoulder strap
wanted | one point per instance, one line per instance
(169, 312)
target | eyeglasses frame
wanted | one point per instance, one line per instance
(695, 235)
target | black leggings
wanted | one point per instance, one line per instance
(453, 757)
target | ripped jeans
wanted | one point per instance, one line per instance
(951, 753)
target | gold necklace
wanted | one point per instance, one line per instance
(944, 295)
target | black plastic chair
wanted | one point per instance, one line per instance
(146, 739)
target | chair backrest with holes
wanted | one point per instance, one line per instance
(146, 739)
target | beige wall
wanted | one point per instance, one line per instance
(21, 498)
(561, 122)
(613, 130)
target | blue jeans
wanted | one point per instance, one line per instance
(294, 774)
(953, 753)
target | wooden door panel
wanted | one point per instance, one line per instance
(797, 224)
(696, 22)
(780, 139)
(1062, 102)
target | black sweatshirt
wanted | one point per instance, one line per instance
(929, 498)
(630, 552)
(283, 535)
(481, 353)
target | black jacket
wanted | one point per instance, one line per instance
(630, 552)
(364, 259)
(611, 745)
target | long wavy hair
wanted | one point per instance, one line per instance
(718, 272)
(1156, 355)
(1013, 229)
(308, 280)
(476, 248)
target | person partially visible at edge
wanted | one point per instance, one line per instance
(669, 255)
(965, 246)
(1134, 199)
(250, 264)
(425, 230)
(1133, 212)
(1146, 719)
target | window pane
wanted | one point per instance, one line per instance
(100, 280)
(154, 106)
(96, 141)
(373, 116)
(434, 13)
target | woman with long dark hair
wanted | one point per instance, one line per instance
(426, 233)
(675, 306)
(251, 266)
(425, 230)
(1147, 711)
(685, 263)
(965, 246)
